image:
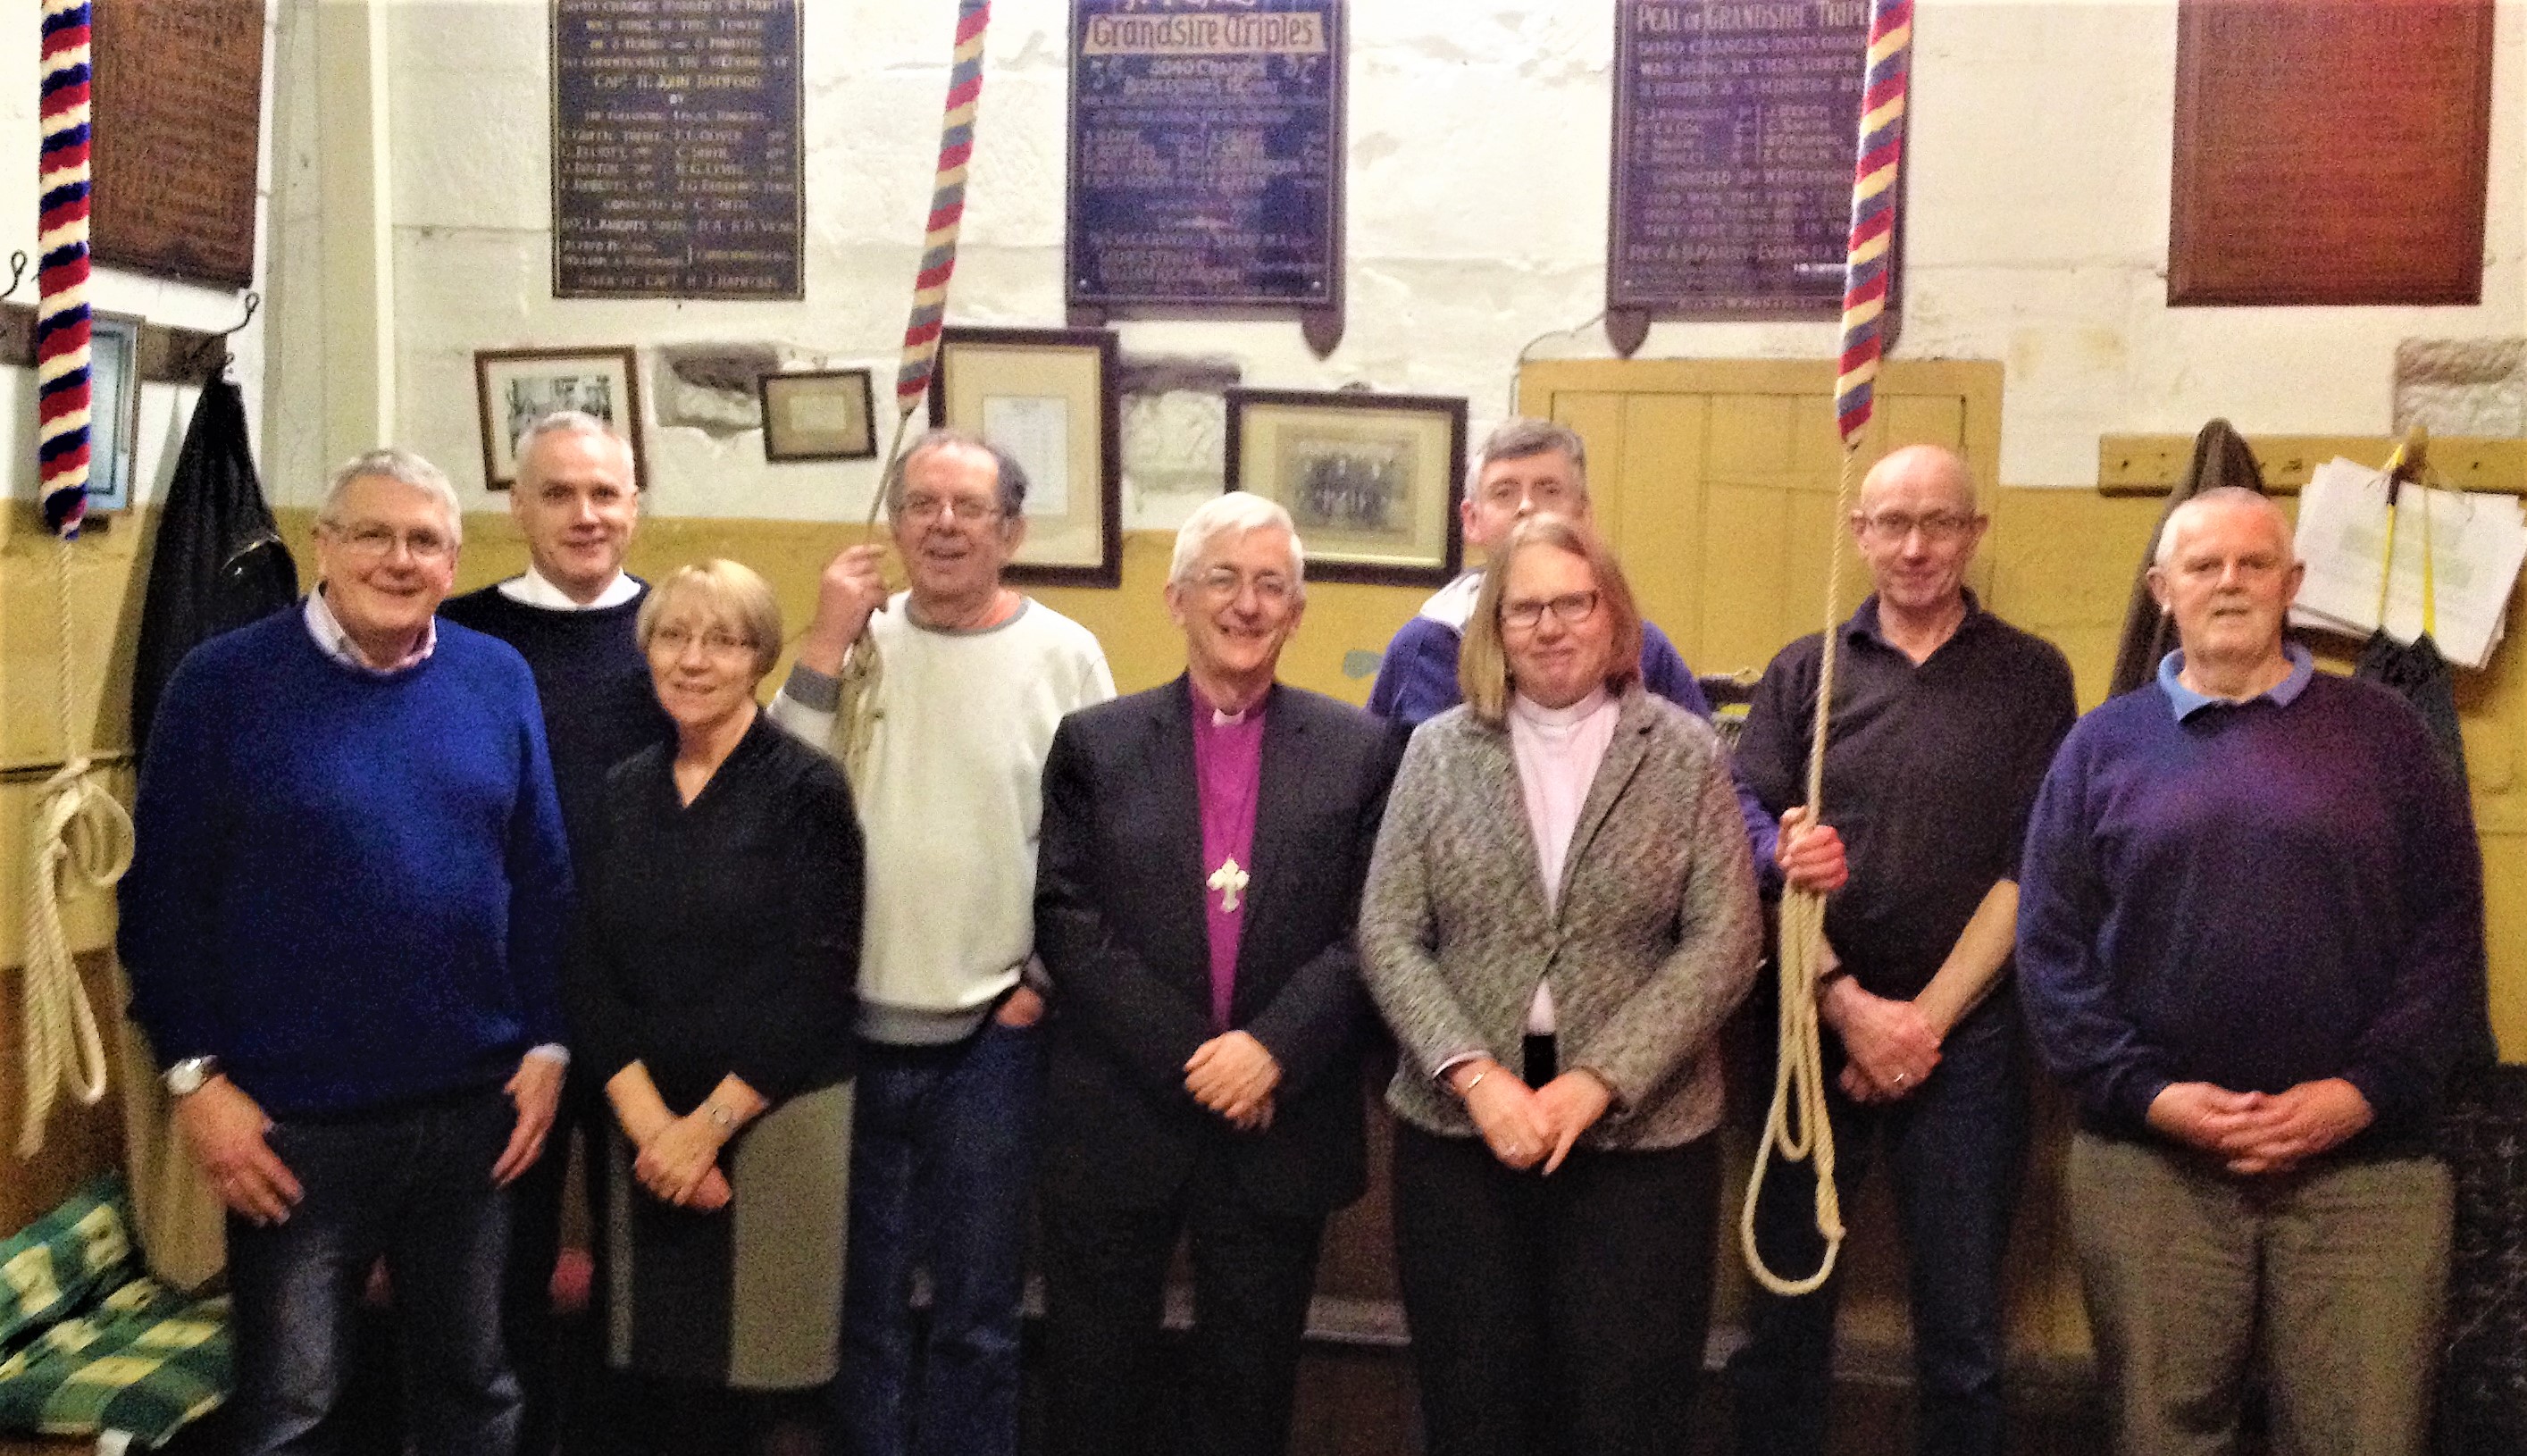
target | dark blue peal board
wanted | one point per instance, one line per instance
(1206, 153)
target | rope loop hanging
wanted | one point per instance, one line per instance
(1796, 1128)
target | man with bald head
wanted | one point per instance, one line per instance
(1944, 718)
(2251, 941)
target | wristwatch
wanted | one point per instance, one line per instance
(186, 1078)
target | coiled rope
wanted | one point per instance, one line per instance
(81, 843)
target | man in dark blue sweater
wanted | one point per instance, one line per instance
(341, 928)
(570, 614)
(2249, 941)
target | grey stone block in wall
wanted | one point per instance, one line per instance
(2462, 386)
(712, 386)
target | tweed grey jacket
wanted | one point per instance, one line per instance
(1653, 943)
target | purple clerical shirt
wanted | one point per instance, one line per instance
(1228, 771)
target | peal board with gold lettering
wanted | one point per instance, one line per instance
(676, 149)
(2330, 151)
(1207, 158)
(1734, 123)
(178, 98)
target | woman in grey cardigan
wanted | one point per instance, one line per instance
(1560, 913)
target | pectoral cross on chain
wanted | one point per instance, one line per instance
(1228, 880)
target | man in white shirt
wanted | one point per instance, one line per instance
(975, 678)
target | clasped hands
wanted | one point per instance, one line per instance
(1525, 1125)
(1890, 1046)
(1235, 1075)
(2261, 1132)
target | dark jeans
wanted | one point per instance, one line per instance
(415, 1186)
(1954, 1149)
(548, 1356)
(1561, 1315)
(943, 1153)
(1104, 1288)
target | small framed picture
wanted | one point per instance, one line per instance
(1046, 396)
(821, 415)
(515, 387)
(1372, 480)
(114, 408)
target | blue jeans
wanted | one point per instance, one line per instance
(413, 1185)
(1954, 1149)
(943, 1153)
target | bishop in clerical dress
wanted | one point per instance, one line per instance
(1202, 853)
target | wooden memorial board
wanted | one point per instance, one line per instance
(677, 163)
(1734, 129)
(177, 105)
(1206, 157)
(2330, 151)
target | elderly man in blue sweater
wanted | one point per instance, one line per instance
(341, 929)
(2250, 941)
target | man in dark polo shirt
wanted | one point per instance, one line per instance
(2252, 948)
(1944, 718)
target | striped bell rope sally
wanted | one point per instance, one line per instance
(1796, 1128)
(857, 715)
(79, 838)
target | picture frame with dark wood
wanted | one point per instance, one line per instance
(114, 408)
(1047, 398)
(824, 414)
(1372, 480)
(515, 387)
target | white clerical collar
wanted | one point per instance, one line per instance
(1557, 720)
(337, 644)
(532, 589)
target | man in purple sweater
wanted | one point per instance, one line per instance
(2250, 939)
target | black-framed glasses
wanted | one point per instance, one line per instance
(1573, 608)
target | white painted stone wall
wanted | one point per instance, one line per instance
(164, 409)
(1478, 132)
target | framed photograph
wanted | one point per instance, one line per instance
(824, 415)
(515, 387)
(113, 409)
(1046, 396)
(1371, 480)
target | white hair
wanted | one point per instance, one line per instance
(572, 422)
(2213, 499)
(394, 463)
(1235, 513)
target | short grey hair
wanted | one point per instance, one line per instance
(1518, 438)
(574, 422)
(394, 463)
(1011, 477)
(2238, 495)
(1236, 513)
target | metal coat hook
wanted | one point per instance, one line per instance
(202, 350)
(17, 271)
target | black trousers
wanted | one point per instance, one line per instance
(1561, 1315)
(547, 1362)
(1105, 1288)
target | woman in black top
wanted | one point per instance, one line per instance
(712, 998)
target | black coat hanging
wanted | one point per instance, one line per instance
(219, 562)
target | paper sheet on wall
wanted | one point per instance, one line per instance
(2477, 542)
(1035, 428)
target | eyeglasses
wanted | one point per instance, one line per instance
(1935, 526)
(373, 542)
(1548, 497)
(1224, 584)
(923, 509)
(1573, 608)
(718, 642)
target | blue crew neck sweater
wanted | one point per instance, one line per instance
(2261, 894)
(351, 889)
